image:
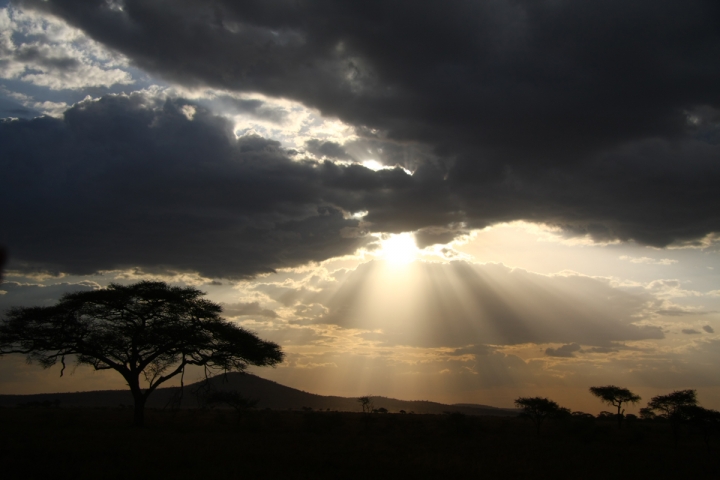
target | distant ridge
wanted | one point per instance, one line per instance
(269, 394)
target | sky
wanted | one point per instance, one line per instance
(457, 201)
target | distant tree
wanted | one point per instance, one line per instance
(537, 409)
(147, 329)
(583, 415)
(647, 414)
(366, 403)
(615, 396)
(704, 419)
(673, 407)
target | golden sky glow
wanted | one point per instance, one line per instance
(440, 324)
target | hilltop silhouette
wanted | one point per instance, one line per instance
(269, 394)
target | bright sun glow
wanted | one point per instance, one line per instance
(375, 166)
(399, 249)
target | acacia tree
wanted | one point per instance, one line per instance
(673, 406)
(615, 396)
(148, 329)
(537, 409)
(366, 403)
(705, 419)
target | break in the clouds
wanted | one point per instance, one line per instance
(46, 52)
(599, 118)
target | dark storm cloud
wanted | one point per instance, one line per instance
(436, 235)
(27, 295)
(137, 181)
(132, 181)
(600, 117)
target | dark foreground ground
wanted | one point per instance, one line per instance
(85, 443)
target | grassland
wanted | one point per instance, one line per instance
(92, 443)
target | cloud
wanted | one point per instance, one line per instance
(565, 351)
(673, 310)
(601, 350)
(434, 305)
(242, 309)
(476, 350)
(532, 110)
(708, 329)
(131, 181)
(690, 331)
(47, 52)
(670, 288)
(31, 295)
(327, 149)
(648, 260)
(255, 108)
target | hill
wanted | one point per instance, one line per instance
(269, 394)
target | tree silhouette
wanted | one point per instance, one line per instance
(705, 419)
(537, 409)
(366, 403)
(673, 406)
(615, 396)
(147, 329)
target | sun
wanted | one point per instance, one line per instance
(399, 249)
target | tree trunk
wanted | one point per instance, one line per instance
(139, 397)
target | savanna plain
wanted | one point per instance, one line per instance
(89, 443)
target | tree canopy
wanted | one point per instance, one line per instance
(537, 409)
(147, 329)
(615, 396)
(672, 406)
